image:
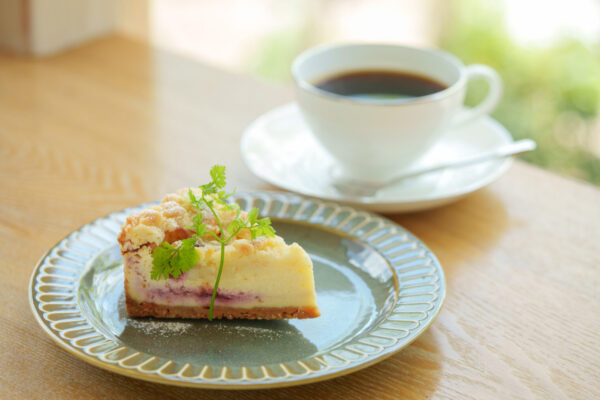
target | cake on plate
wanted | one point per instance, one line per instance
(261, 276)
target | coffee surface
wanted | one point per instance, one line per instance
(380, 85)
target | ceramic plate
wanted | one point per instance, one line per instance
(378, 288)
(279, 148)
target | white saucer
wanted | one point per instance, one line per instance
(279, 148)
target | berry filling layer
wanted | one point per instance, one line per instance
(201, 296)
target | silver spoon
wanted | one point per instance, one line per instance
(358, 188)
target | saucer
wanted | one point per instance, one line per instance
(279, 148)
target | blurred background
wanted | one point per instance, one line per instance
(548, 52)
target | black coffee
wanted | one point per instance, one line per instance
(375, 85)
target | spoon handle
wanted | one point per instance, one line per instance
(511, 149)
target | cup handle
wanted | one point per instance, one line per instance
(487, 105)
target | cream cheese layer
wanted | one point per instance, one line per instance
(265, 272)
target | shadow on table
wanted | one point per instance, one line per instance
(461, 232)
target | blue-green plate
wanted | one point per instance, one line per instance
(378, 288)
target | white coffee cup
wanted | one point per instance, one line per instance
(374, 140)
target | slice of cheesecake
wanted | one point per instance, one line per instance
(262, 278)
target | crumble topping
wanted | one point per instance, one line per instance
(168, 220)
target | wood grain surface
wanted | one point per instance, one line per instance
(116, 123)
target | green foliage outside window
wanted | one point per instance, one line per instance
(551, 94)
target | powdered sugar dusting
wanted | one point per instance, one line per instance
(252, 331)
(160, 327)
(167, 328)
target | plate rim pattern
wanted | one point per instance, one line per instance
(54, 284)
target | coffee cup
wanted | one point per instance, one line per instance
(373, 138)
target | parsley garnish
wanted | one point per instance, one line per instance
(170, 261)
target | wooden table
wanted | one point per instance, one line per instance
(116, 123)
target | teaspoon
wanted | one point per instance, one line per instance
(359, 188)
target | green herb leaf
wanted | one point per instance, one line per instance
(235, 226)
(169, 261)
(217, 173)
(161, 260)
(252, 215)
(186, 257)
(199, 227)
(262, 227)
(193, 198)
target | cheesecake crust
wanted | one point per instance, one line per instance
(145, 309)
